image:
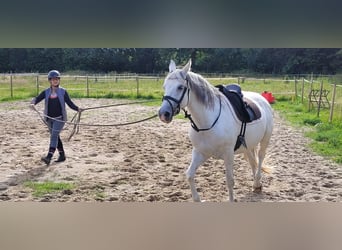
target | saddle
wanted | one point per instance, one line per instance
(245, 109)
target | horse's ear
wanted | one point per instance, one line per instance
(186, 68)
(172, 66)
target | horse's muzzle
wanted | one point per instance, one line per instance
(165, 116)
(166, 112)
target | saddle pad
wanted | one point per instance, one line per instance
(252, 107)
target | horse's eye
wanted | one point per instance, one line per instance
(180, 87)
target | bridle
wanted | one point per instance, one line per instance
(175, 111)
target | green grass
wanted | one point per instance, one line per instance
(42, 188)
(327, 140)
(326, 137)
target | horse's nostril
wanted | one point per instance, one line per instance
(167, 114)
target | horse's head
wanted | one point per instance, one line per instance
(175, 92)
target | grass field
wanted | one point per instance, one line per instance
(326, 137)
(292, 99)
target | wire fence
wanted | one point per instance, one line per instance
(318, 92)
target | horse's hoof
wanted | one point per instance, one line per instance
(257, 189)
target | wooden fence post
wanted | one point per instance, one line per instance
(296, 93)
(320, 99)
(303, 90)
(137, 79)
(87, 86)
(37, 84)
(11, 85)
(311, 84)
(332, 103)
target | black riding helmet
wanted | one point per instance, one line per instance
(54, 73)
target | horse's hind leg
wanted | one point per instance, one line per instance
(197, 160)
(261, 156)
(229, 164)
(250, 156)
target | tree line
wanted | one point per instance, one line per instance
(156, 60)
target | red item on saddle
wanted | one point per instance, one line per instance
(268, 96)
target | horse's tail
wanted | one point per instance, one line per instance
(267, 170)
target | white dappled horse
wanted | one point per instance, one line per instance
(215, 127)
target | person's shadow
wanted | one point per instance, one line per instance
(20, 178)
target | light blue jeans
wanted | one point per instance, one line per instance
(55, 128)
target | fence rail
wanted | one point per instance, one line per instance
(95, 85)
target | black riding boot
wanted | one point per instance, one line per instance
(61, 157)
(47, 159)
(60, 150)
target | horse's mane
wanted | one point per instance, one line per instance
(203, 90)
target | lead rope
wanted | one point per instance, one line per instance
(75, 121)
(76, 128)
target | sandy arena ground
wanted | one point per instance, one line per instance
(147, 161)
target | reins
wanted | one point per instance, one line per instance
(75, 121)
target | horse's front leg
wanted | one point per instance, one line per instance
(229, 164)
(196, 161)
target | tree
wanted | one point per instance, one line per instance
(156, 60)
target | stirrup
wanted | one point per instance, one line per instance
(242, 140)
